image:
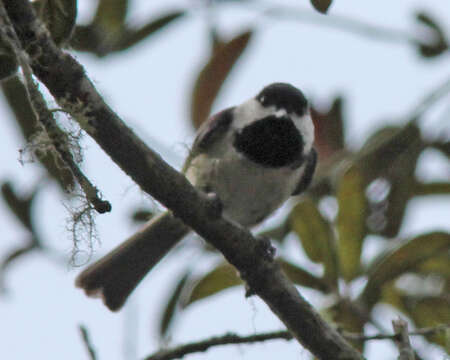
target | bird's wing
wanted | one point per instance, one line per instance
(211, 131)
(305, 181)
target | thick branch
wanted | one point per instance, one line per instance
(75, 93)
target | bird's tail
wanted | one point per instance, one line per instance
(115, 276)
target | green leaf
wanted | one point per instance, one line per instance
(344, 314)
(170, 310)
(437, 265)
(316, 236)
(405, 257)
(351, 222)
(107, 34)
(432, 188)
(429, 312)
(58, 16)
(392, 153)
(425, 311)
(8, 61)
(312, 229)
(302, 277)
(390, 294)
(225, 276)
(437, 44)
(16, 96)
(213, 75)
(110, 15)
(16, 254)
(220, 278)
(402, 190)
(321, 5)
(19, 205)
(132, 37)
(401, 175)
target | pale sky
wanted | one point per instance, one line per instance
(149, 88)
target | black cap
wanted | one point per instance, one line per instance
(283, 96)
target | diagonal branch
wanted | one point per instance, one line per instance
(87, 342)
(66, 80)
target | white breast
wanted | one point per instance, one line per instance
(249, 192)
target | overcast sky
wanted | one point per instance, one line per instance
(149, 88)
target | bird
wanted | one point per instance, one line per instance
(252, 156)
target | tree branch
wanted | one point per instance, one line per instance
(87, 342)
(60, 143)
(227, 339)
(436, 94)
(402, 341)
(67, 82)
(230, 339)
(419, 332)
(342, 23)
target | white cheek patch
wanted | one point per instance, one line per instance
(306, 128)
(249, 111)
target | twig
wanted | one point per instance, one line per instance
(431, 98)
(419, 332)
(402, 340)
(45, 117)
(131, 37)
(230, 339)
(342, 23)
(67, 82)
(87, 342)
(57, 138)
(227, 339)
(411, 118)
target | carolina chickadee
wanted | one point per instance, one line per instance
(253, 156)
